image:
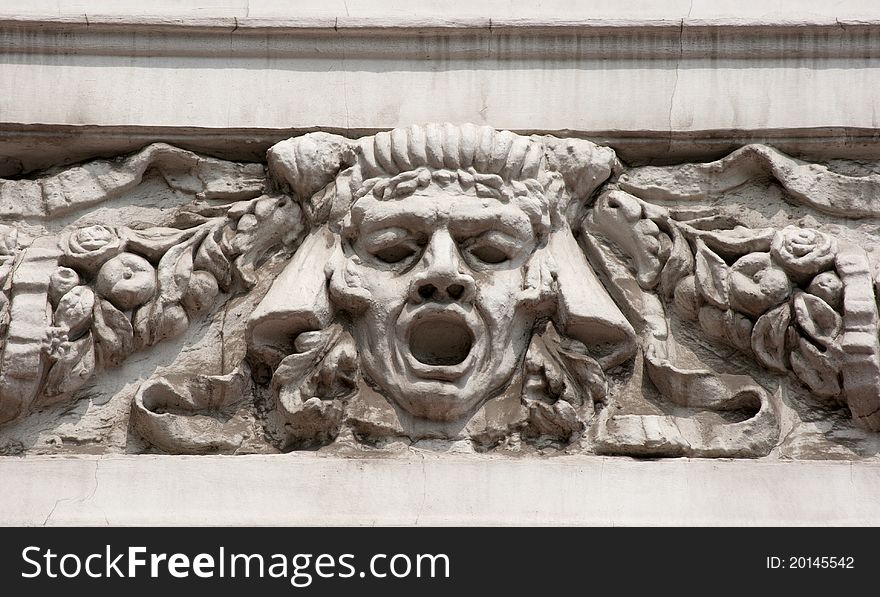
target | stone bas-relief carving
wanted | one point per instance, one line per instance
(442, 287)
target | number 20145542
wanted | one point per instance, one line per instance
(826, 562)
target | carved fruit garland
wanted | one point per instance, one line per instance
(772, 294)
(118, 290)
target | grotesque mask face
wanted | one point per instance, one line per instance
(433, 253)
(444, 316)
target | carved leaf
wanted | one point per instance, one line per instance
(164, 317)
(210, 258)
(172, 322)
(543, 379)
(210, 209)
(155, 322)
(712, 322)
(679, 264)
(566, 370)
(816, 369)
(152, 243)
(74, 312)
(312, 385)
(688, 300)
(712, 276)
(174, 271)
(738, 330)
(817, 318)
(768, 338)
(586, 372)
(73, 369)
(142, 325)
(735, 241)
(114, 335)
(275, 220)
(558, 420)
(703, 220)
(240, 208)
(188, 219)
(326, 369)
(8, 239)
(562, 382)
(5, 269)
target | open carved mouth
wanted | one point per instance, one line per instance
(440, 341)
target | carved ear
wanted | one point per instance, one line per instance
(585, 311)
(310, 162)
(583, 165)
(297, 301)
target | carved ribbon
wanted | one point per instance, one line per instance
(669, 435)
(97, 181)
(808, 184)
(186, 414)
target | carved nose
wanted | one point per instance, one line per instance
(459, 290)
(442, 279)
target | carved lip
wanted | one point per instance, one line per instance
(440, 341)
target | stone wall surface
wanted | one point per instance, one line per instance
(696, 78)
(355, 245)
(435, 491)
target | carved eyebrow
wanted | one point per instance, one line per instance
(474, 226)
(408, 222)
(390, 234)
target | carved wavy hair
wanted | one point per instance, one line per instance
(329, 173)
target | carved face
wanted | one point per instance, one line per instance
(443, 318)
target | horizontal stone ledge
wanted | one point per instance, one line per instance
(339, 14)
(396, 38)
(431, 489)
(391, 23)
(28, 147)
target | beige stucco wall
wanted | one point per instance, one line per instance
(427, 489)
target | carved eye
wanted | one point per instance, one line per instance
(391, 246)
(395, 253)
(489, 248)
(488, 254)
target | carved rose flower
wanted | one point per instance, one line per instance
(803, 251)
(757, 284)
(90, 247)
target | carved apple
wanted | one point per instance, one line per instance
(757, 284)
(828, 287)
(127, 281)
(61, 282)
(200, 293)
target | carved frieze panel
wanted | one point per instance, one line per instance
(450, 287)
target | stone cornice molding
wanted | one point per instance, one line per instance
(419, 35)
